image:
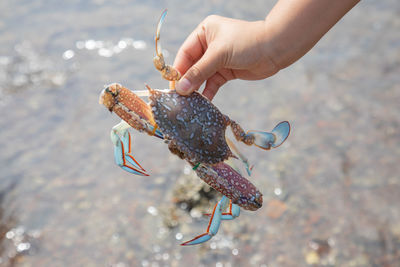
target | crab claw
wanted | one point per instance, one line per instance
(122, 152)
(273, 139)
(216, 217)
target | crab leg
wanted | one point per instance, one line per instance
(263, 140)
(215, 221)
(241, 156)
(147, 92)
(237, 191)
(233, 212)
(122, 149)
(167, 71)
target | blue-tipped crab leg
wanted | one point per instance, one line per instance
(274, 139)
(157, 38)
(263, 140)
(241, 156)
(233, 212)
(215, 221)
(122, 149)
(167, 71)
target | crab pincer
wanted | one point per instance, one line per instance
(237, 192)
(134, 113)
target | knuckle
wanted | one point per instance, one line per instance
(188, 57)
(219, 80)
(196, 74)
(210, 19)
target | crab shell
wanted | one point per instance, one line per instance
(195, 131)
(192, 125)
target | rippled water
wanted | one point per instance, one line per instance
(331, 193)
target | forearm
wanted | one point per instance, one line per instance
(293, 27)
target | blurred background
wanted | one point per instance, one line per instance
(331, 192)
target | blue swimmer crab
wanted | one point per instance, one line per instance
(194, 130)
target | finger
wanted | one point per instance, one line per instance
(201, 71)
(214, 83)
(191, 50)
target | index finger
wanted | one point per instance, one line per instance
(191, 50)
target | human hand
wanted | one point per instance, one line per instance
(222, 49)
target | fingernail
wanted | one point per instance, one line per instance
(183, 85)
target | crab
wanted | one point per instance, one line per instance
(194, 130)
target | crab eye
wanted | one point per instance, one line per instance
(110, 90)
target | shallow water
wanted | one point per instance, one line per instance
(331, 192)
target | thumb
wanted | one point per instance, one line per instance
(203, 69)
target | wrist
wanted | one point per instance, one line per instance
(269, 48)
(264, 51)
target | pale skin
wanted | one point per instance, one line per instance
(221, 49)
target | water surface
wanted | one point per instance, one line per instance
(331, 192)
